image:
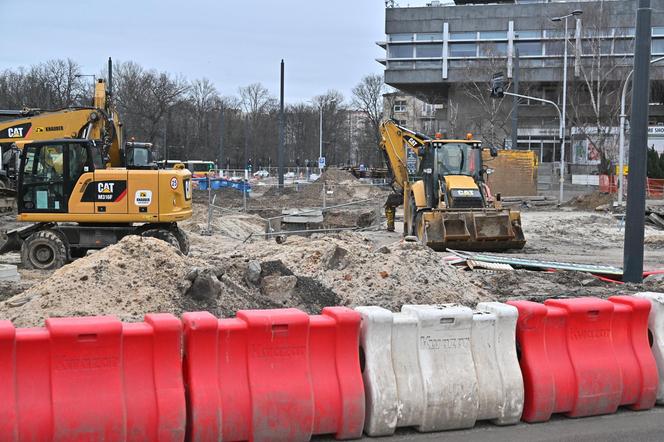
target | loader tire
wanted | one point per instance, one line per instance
(44, 250)
(164, 235)
(183, 240)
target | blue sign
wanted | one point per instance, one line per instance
(321, 163)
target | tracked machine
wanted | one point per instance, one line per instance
(441, 184)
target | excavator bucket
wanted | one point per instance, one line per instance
(485, 230)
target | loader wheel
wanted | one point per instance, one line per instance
(164, 235)
(183, 240)
(44, 250)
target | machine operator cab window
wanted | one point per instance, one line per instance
(457, 158)
(49, 172)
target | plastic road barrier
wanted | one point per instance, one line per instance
(92, 378)
(273, 375)
(585, 356)
(656, 335)
(439, 367)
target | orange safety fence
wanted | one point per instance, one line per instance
(609, 184)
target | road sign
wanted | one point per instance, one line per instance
(321, 162)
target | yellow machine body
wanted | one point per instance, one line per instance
(443, 209)
(122, 196)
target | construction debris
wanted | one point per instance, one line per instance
(537, 264)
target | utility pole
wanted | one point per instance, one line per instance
(280, 153)
(564, 18)
(638, 145)
(221, 137)
(515, 100)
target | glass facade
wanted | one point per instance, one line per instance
(429, 51)
(429, 37)
(527, 48)
(463, 49)
(401, 51)
(545, 44)
(463, 35)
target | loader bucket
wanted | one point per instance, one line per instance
(484, 230)
(9, 242)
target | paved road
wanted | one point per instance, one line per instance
(632, 426)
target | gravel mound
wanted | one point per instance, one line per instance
(128, 279)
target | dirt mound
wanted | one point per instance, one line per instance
(136, 276)
(341, 269)
(232, 225)
(590, 201)
(337, 176)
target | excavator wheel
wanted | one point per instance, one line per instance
(164, 235)
(183, 240)
(44, 250)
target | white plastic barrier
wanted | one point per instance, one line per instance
(439, 367)
(496, 363)
(656, 328)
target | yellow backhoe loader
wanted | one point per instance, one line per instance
(440, 183)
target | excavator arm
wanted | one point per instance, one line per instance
(99, 122)
(401, 147)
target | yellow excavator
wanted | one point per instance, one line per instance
(78, 197)
(441, 184)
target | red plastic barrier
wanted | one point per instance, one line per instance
(273, 375)
(92, 379)
(585, 356)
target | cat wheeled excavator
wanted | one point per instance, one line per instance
(441, 184)
(82, 188)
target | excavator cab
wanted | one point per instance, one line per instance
(49, 172)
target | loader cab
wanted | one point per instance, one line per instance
(138, 155)
(49, 171)
(456, 158)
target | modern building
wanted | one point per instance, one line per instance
(445, 54)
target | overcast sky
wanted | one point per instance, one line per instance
(326, 45)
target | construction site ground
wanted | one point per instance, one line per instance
(232, 266)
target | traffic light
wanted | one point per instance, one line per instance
(497, 85)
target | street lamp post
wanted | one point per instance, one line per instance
(563, 117)
(623, 116)
(320, 133)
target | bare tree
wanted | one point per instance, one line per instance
(595, 94)
(490, 116)
(145, 97)
(368, 98)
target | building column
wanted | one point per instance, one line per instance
(446, 39)
(510, 48)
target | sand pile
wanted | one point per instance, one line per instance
(136, 276)
(232, 225)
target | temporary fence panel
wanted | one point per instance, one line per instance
(273, 375)
(92, 378)
(439, 367)
(584, 356)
